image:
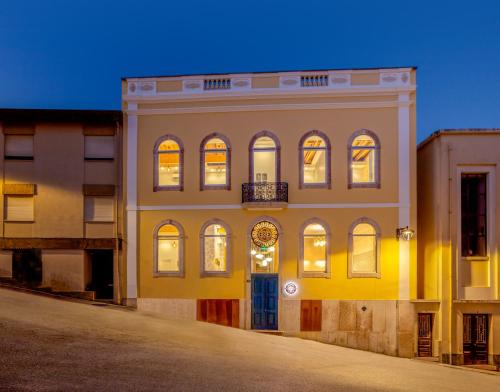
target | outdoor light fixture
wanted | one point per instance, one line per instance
(405, 233)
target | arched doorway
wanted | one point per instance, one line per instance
(264, 252)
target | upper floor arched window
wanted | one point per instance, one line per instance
(314, 160)
(364, 160)
(215, 162)
(169, 164)
(169, 249)
(265, 158)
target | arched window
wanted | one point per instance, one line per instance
(215, 243)
(168, 164)
(364, 249)
(169, 249)
(314, 249)
(314, 160)
(215, 163)
(265, 158)
(364, 160)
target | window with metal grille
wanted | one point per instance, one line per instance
(474, 219)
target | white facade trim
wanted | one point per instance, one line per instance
(404, 176)
(253, 108)
(471, 292)
(318, 80)
(187, 207)
(132, 205)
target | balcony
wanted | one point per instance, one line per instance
(264, 195)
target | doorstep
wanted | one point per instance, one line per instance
(268, 332)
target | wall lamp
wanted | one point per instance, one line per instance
(405, 233)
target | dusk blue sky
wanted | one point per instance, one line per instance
(72, 54)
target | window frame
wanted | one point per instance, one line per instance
(377, 151)
(310, 274)
(85, 158)
(328, 174)
(88, 197)
(350, 273)
(229, 259)
(6, 204)
(203, 150)
(156, 175)
(277, 149)
(181, 237)
(18, 157)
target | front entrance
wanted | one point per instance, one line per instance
(101, 266)
(265, 301)
(475, 339)
(27, 266)
(425, 334)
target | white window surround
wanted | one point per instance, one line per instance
(181, 238)
(203, 151)
(156, 174)
(350, 272)
(469, 292)
(307, 274)
(327, 149)
(377, 166)
(229, 260)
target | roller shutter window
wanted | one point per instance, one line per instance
(19, 209)
(18, 147)
(99, 147)
(99, 209)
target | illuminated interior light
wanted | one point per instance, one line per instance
(320, 263)
(268, 259)
(260, 256)
(253, 252)
(271, 249)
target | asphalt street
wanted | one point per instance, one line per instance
(53, 345)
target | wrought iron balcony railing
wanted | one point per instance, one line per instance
(264, 192)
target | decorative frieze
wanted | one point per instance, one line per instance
(310, 81)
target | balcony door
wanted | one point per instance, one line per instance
(264, 165)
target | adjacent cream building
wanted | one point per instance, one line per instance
(272, 201)
(458, 237)
(61, 215)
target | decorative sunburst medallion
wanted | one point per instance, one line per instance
(264, 234)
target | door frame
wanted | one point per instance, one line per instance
(432, 317)
(488, 335)
(265, 275)
(277, 158)
(248, 271)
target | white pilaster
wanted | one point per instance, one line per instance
(404, 192)
(132, 204)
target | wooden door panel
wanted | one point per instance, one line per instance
(264, 301)
(425, 335)
(475, 338)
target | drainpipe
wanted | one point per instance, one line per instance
(118, 176)
(450, 272)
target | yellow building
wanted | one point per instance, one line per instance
(459, 290)
(272, 201)
(60, 192)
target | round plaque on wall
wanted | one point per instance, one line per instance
(264, 234)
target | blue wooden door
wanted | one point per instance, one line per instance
(265, 301)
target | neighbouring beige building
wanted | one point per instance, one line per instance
(60, 190)
(272, 201)
(458, 245)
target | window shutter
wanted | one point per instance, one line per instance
(99, 147)
(99, 209)
(20, 209)
(19, 146)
